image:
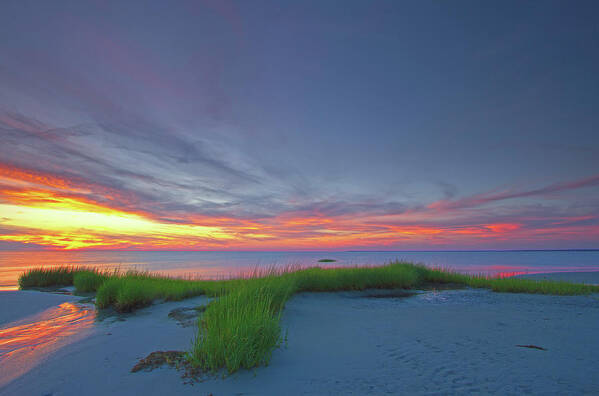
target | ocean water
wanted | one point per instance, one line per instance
(214, 265)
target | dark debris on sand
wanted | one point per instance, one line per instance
(173, 359)
(532, 347)
(187, 316)
(158, 359)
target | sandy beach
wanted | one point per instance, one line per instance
(433, 342)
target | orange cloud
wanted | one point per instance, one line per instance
(60, 213)
(26, 176)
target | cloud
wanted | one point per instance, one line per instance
(11, 245)
(481, 199)
(177, 181)
(158, 167)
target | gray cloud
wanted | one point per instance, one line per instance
(163, 171)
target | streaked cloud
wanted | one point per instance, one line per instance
(482, 199)
(208, 125)
(52, 211)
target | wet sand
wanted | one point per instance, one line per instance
(27, 342)
(448, 342)
(16, 305)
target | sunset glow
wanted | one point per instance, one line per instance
(52, 212)
(156, 136)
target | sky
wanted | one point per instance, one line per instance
(308, 125)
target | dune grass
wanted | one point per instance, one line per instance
(391, 276)
(90, 280)
(517, 285)
(135, 290)
(506, 285)
(46, 277)
(124, 291)
(241, 326)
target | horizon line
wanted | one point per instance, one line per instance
(302, 251)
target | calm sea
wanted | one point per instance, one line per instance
(216, 265)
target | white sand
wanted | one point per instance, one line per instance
(450, 342)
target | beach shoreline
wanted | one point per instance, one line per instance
(454, 341)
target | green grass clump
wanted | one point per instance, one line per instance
(390, 276)
(88, 281)
(135, 290)
(507, 285)
(441, 276)
(518, 285)
(326, 261)
(46, 277)
(242, 328)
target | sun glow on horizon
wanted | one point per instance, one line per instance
(54, 212)
(76, 228)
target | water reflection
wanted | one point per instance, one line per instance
(23, 344)
(509, 274)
